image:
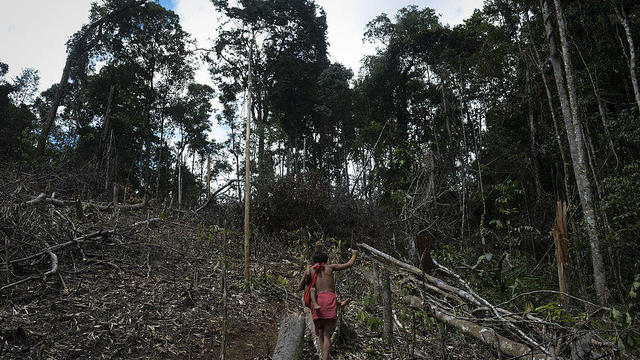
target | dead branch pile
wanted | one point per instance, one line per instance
(519, 335)
(36, 230)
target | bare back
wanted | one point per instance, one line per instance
(324, 281)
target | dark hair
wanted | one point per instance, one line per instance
(319, 257)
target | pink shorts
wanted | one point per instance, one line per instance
(328, 302)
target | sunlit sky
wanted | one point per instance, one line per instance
(33, 33)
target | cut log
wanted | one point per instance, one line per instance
(482, 333)
(290, 338)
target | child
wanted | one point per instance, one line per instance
(322, 298)
(308, 282)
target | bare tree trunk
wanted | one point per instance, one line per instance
(247, 176)
(480, 182)
(261, 145)
(601, 109)
(208, 175)
(290, 338)
(485, 334)
(6, 257)
(180, 180)
(386, 307)
(565, 165)
(532, 135)
(569, 108)
(115, 198)
(105, 127)
(51, 114)
(224, 292)
(446, 112)
(631, 59)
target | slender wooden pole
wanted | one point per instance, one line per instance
(180, 180)
(224, 292)
(6, 254)
(115, 198)
(247, 176)
(386, 307)
(208, 175)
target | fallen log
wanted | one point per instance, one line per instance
(431, 279)
(495, 311)
(485, 334)
(504, 316)
(43, 199)
(444, 287)
(290, 338)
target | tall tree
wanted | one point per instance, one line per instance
(569, 105)
(631, 58)
(82, 41)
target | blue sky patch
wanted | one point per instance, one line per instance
(167, 4)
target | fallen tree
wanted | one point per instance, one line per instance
(527, 344)
(485, 334)
(290, 338)
(215, 193)
(43, 199)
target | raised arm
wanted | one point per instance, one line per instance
(306, 278)
(348, 264)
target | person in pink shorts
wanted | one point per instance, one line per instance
(321, 289)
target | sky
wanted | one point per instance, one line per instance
(33, 33)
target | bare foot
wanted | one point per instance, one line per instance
(317, 307)
(345, 302)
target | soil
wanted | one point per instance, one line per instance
(156, 294)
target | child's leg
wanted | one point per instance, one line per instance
(314, 300)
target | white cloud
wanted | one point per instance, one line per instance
(347, 20)
(33, 34)
(200, 19)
